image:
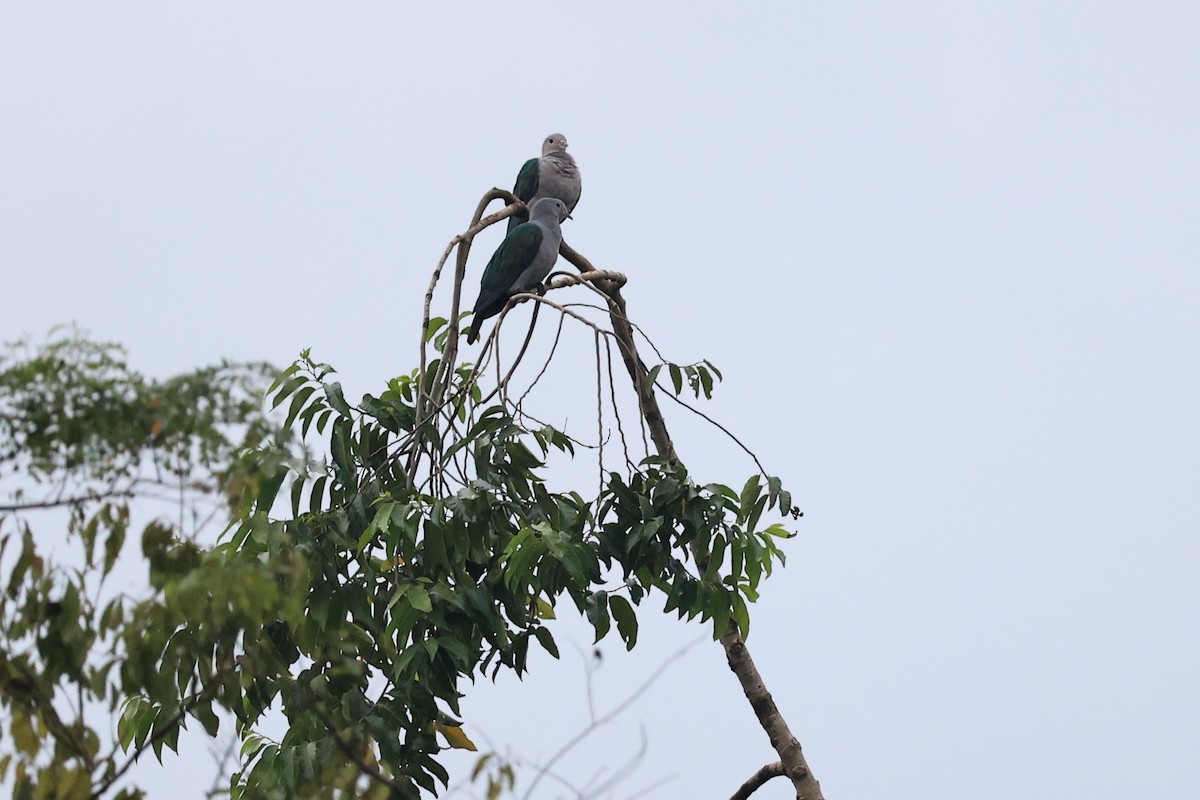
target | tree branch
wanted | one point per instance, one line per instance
(363, 765)
(174, 722)
(785, 744)
(446, 366)
(76, 500)
(791, 758)
(756, 780)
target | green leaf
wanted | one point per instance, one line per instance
(208, 719)
(24, 561)
(435, 325)
(286, 390)
(379, 524)
(756, 513)
(127, 722)
(774, 486)
(546, 640)
(718, 607)
(749, 495)
(340, 448)
(268, 489)
(317, 494)
(627, 624)
(596, 607)
(333, 393)
(284, 375)
(779, 530)
(716, 556)
(676, 379)
(297, 492)
(113, 545)
(741, 615)
(298, 403)
(419, 597)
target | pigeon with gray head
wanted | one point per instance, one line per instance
(521, 262)
(553, 175)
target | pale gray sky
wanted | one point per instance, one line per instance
(945, 253)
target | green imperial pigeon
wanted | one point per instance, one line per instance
(552, 175)
(521, 262)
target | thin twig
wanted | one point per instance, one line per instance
(562, 318)
(612, 391)
(715, 424)
(606, 718)
(599, 417)
(503, 385)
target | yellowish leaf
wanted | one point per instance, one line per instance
(22, 733)
(545, 610)
(455, 737)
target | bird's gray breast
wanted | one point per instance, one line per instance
(558, 176)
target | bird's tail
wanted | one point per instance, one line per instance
(472, 333)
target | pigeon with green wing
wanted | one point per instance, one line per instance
(521, 262)
(555, 174)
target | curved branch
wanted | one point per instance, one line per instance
(762, 470)
(758, 779)
(446, 366)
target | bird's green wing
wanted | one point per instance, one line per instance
(527, 181)
(512, 257)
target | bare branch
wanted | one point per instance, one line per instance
(758, 779)
(612, 392)
(545, 364)
(59, 502)
(718, 426)
(607, 718)
(449, 356)
(740, 662)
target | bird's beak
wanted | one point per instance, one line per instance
(569, 216)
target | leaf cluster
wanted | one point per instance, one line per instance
(73, 414)
(414, 592)
(75, 649)
(353, 596)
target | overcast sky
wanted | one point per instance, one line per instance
(946, 255)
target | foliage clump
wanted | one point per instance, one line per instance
(416, 588)
(354, 595)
